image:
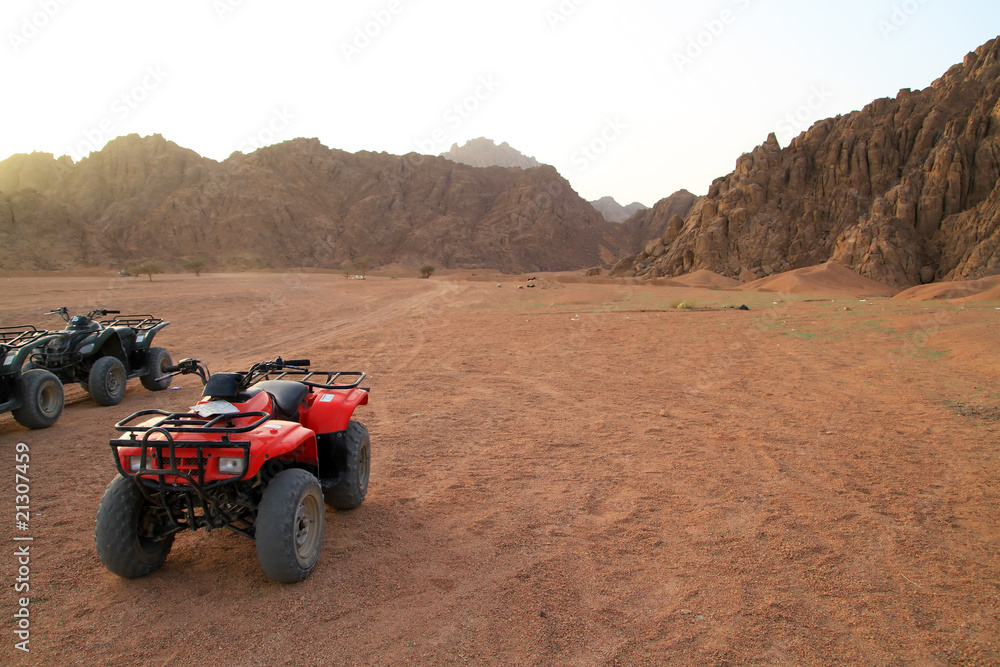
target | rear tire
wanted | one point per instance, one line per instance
(125, 531)
(107, 381)
(42, 399)
(353, 488)
(157, 359)
(290, 524)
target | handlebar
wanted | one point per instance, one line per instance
(187, 367)
(262, 368)
(99, 312)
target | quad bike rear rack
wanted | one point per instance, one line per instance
(313, 378)
(138, 322)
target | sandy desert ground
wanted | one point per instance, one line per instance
(580, 473)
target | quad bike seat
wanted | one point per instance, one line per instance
(288, 395)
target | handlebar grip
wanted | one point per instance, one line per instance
(171, 369)
(112, 312)
(296, 362)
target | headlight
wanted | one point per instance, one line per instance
(231, 465)
(87, 349)
(133, 463)
(139, 338)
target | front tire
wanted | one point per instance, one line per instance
(127, 531)
(352, 489)
(42, 399)
(107, 381)
(290, 524)
(157, 359)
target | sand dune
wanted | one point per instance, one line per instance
(706, 279)
(965, 290)
(831, 277)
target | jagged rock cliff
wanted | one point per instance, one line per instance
(654, 223)
(294, 204)
(903, 191)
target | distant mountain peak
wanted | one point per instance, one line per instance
(615, 212)
(483, 152)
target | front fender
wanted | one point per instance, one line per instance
(107, 343)
(13, 359)
(92, 342)
(284, 441)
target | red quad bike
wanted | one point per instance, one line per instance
(259, 455)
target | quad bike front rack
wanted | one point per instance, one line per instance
(191, 470)
(19, 336)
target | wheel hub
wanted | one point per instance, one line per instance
(305, 533)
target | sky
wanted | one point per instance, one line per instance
(630, 98)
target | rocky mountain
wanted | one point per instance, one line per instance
(294, 204)
(903, 192)
(615, 212)
(483, 152)
(653, 223)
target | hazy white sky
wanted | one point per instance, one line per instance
(632, 98)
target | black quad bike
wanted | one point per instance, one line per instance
(260, 455)
(35, 397)
(103, 355)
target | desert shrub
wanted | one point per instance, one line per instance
(362, 265)
(146, 267)
(195, 265)
(426, 271)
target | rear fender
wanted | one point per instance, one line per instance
(329, 411)
(144, 337)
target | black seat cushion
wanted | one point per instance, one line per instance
(288, 395)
